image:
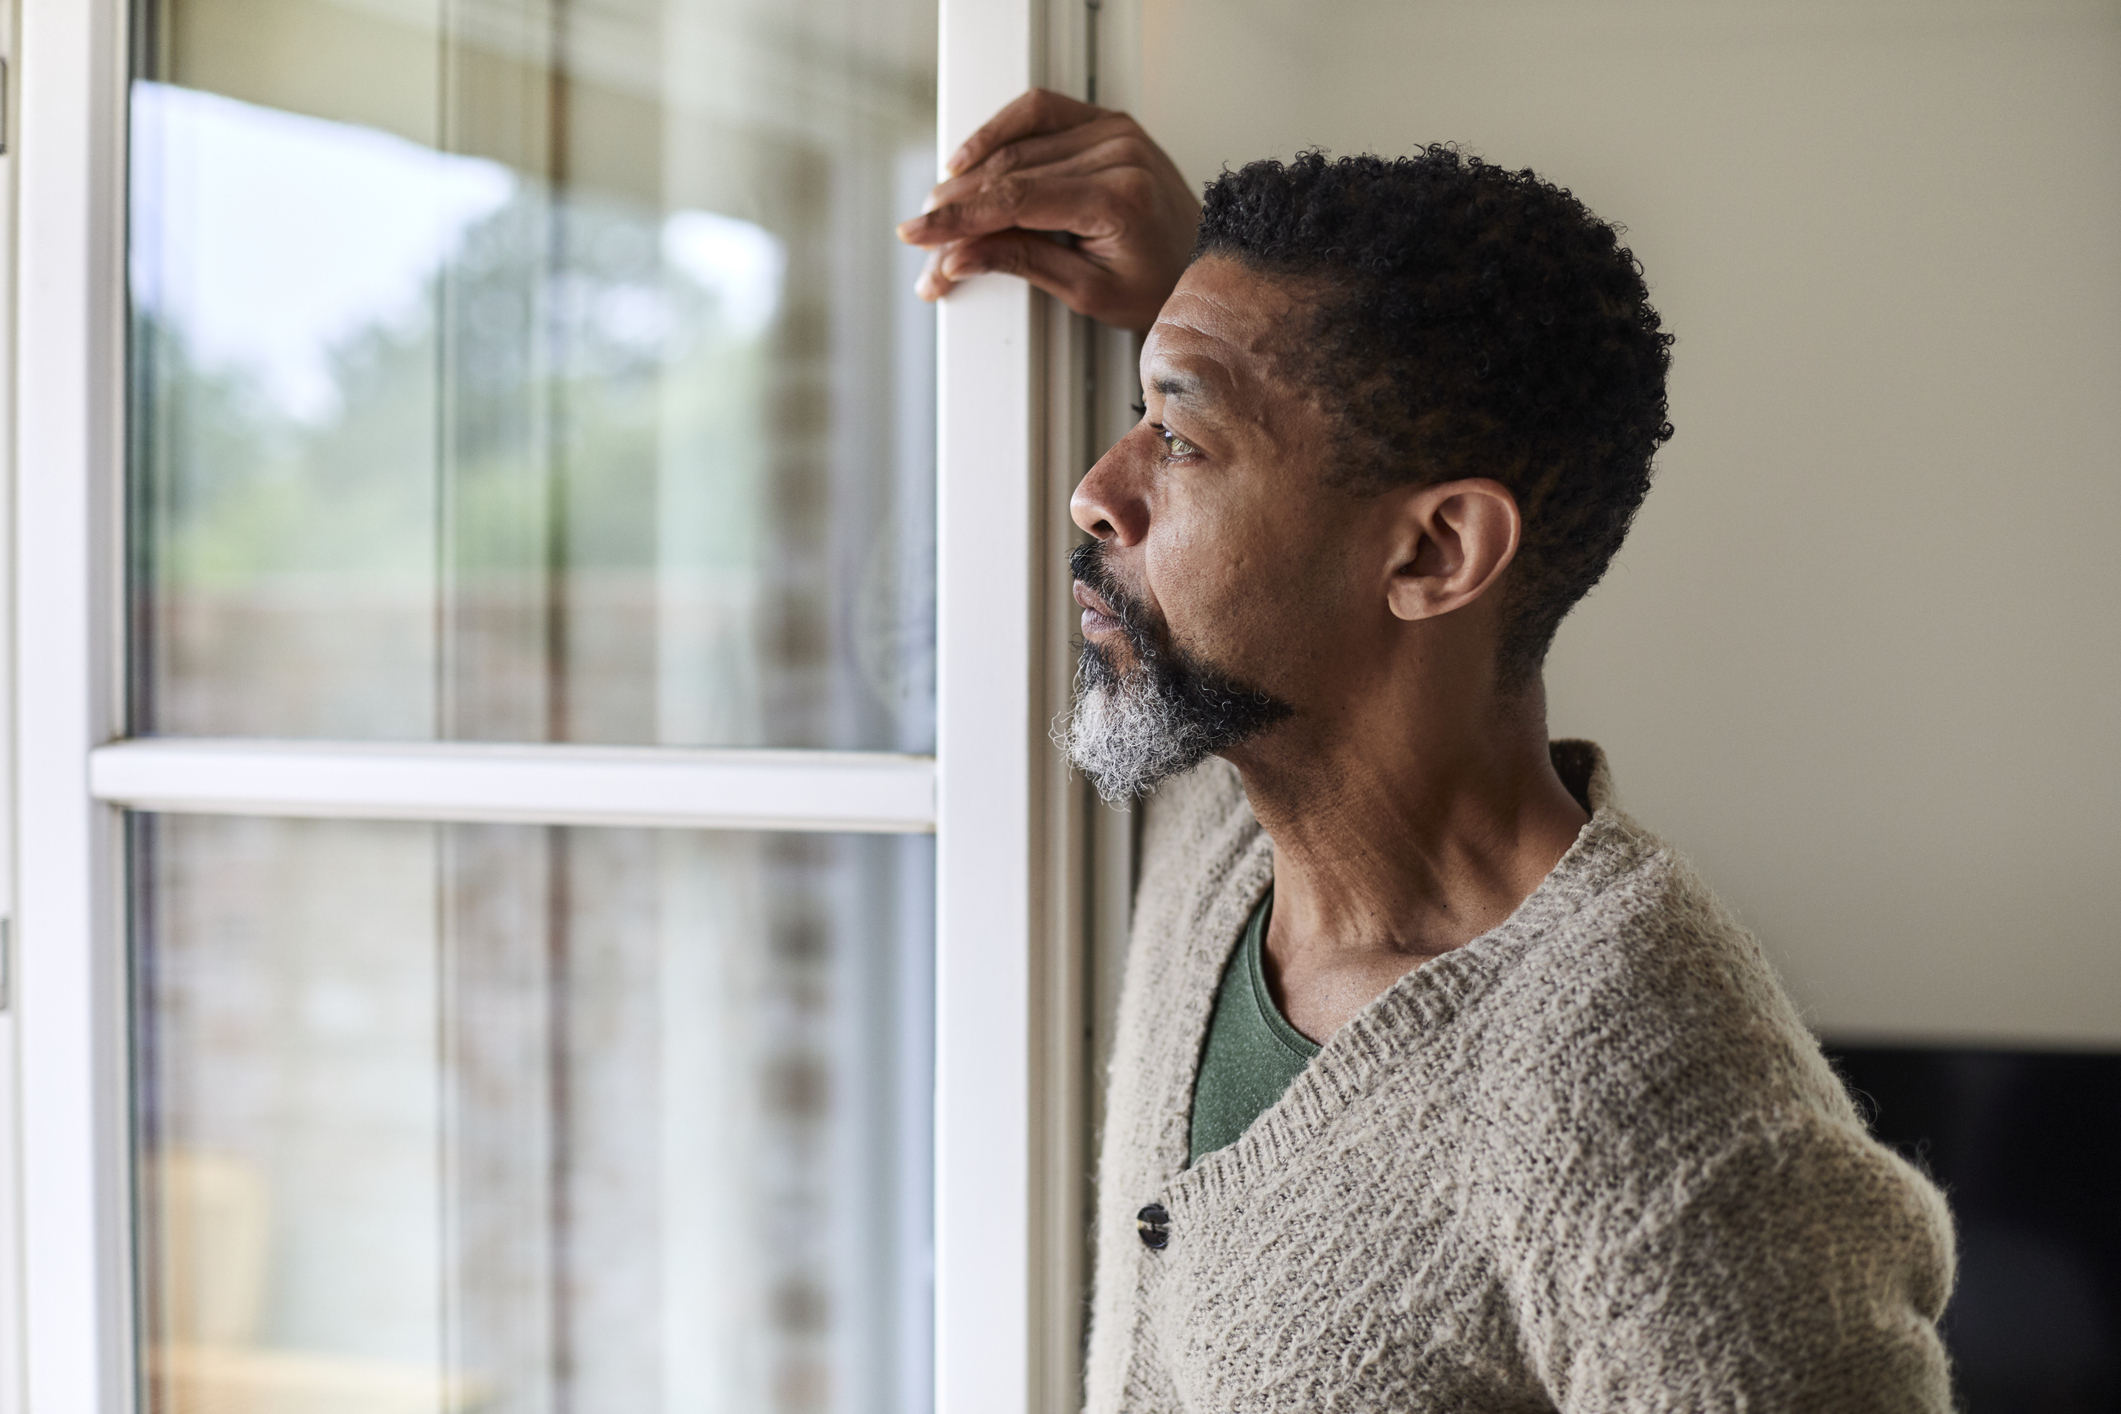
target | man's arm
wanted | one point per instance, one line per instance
(1802, 1271)
(1048, 164)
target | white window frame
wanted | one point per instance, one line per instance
(1031, 876)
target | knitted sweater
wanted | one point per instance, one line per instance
(1590, 1161)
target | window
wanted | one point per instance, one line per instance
(541, 885)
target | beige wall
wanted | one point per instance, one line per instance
(1862, 656)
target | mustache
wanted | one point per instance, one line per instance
(1088, 564)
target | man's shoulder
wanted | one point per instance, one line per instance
(1642, 925)
(1646, 989)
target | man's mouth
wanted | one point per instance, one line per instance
(1098, 617)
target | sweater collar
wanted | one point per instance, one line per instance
(1426, 998)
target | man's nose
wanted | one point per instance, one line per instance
(1108, 502)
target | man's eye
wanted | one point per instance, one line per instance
(1175, 445)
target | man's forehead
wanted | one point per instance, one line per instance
(1216, 332)
(1220, 302)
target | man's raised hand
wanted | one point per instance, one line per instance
(1045, 164)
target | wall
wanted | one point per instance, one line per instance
(1862, 655)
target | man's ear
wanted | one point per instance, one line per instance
(1450, 543)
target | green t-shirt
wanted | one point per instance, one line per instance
(1252, 1052)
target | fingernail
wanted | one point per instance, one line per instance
(956, 164)
(907, 229)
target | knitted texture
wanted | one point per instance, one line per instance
(1590, 1161)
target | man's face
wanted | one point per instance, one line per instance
(1232, 587)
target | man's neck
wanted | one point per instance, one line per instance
(1396, 841)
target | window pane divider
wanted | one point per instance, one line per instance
(529, 783)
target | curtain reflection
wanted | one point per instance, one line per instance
(533, 371)
(514, 1119)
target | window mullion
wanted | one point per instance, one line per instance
(988, 846)
(540, 784)
(70, 182)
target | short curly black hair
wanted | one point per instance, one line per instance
(1475, 322)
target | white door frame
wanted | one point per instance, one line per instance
(985, 913)
(1016, 843)
(70, 1001)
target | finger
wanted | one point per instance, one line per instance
(955, 189)
(1057, 269)
(932, 284)
(1080, 152)
(1078, 205)
(1040, 110)
(969, 186)
(1105, 142)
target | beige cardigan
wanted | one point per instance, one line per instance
(1590, 1161)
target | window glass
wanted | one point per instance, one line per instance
(532, 370)
(507, 1118)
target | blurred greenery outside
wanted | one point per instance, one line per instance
(631, 368)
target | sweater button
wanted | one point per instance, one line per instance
(1154, 1225)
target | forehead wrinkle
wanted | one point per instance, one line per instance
(1204, 315)
(1231, 348)
(1261, 337)
(1219, 354)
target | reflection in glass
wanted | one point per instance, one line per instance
(505, 1118)
(532, 370)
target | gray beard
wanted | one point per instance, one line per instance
(1126, 736)
(1130, 732)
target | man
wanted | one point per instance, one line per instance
(1439, 1083)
